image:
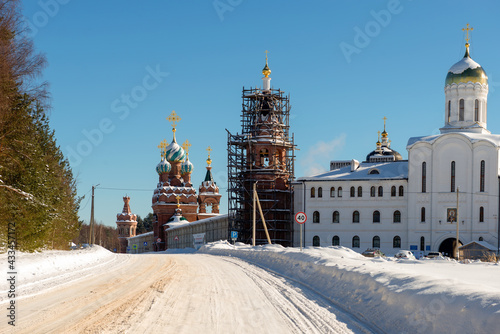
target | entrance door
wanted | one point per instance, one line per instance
(446, 247)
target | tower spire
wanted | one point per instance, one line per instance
(266, 79)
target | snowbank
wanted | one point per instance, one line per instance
(41, 271)
(397, 296)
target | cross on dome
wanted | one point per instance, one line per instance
(209, 160)
(178, 198)
(186, 146)
(467, 29)
(174, 119)
(162, 146)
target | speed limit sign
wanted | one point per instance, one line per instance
(300, 217)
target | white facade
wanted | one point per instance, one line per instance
(463, 159)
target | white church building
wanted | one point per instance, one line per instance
(389, 203)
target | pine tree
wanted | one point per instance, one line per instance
(37, 189)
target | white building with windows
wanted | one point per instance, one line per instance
(389, 203)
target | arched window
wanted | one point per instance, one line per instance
(332, 192)
(339, 192)
(424, 177)
(353, 192)
(336, 241)
(481, 239)
(422, 244)
(481, 178)
(401, 191)
(380, 191)
(422, 215)
(320, 192)
(481, 214)
(373, 171)
(336, 217)
(396, 217)
(393, 191)
(376, 242)
(396, 242)
(313, 192)
(315, 217)
(452, 181)
(316, 241)
(360, 191)
(355, 242)
(461, 112)
(355, 217)
(376, 216)
(449, 111)
(476, 110)
(372, 192)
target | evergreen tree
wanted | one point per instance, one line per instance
(37, 189)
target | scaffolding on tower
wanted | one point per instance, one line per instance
(263, 153)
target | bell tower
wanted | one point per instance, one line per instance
(126, 223)
(466, 94)
(262, 155)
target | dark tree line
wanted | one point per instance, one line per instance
(105, 236)
(37, 188)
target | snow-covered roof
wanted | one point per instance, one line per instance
(472, 137)
(197, 222)
(482, 243)
(393, 170)
(464, 64)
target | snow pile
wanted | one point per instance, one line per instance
(38, 272)
(395, 295)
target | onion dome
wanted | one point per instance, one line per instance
(466, 70)
(186, 167)
(163, 167)
(174, 152)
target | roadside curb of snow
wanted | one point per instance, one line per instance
(392, 303)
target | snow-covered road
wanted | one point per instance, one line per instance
(180, 293)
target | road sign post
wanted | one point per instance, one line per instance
(301, 218)
(234, 236)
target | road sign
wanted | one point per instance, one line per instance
(158, 240)
(300, 217)
(145, 243)
(234, 235)
(176, 238)
(134, 246)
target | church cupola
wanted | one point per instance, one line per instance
(266, 79)
(186, 167)
(383, 151)
(466, 91)
(209, 192)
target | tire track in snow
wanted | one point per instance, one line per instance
(310, 311)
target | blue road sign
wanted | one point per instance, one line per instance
(145, 243)
(234, 234)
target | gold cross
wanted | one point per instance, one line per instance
(178, 198)
(385, 119)
(266, 55)
(173, 118)
(467, 29)
(186, 146)
(378, 135)
(162, 147)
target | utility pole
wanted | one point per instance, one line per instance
(456, 241)
(92, 224)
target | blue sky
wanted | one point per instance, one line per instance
(117, 69)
